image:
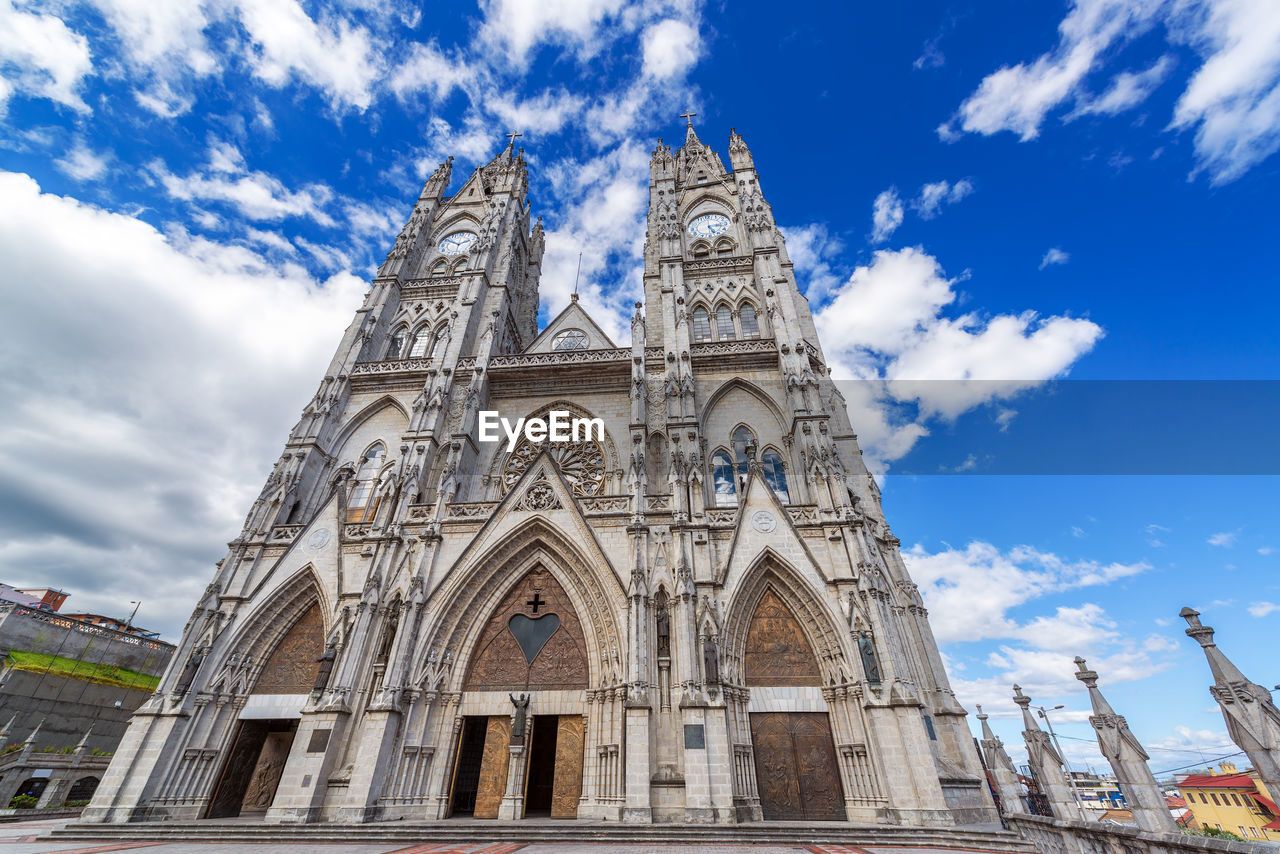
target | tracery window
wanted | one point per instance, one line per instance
(570, 339)
(363, 504)
(581, 463)
(723, 480)
(701, 325)
(437, 348)
(775, 474)
(724, 324)
(420, 340)
(750, 323)
(396, 348)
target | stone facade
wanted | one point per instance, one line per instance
(700, 617)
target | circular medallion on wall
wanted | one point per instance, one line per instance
(319, 539)
(763, 521)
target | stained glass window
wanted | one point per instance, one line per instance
(701, 325)
(420, 340)
(722, 479)
(775, 474)
(724, 324)
(750, 323)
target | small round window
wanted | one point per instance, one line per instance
(570, 339)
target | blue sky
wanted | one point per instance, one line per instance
(999, 196)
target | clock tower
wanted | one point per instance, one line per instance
(696, 614)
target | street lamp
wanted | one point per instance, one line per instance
(136, 605)
(1075, 793)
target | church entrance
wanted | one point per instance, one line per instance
(795, 758)
(531, 654)
(796, 766)
(252, 773)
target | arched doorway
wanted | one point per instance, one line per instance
(796, 769)
(532, 649)
(263, 736)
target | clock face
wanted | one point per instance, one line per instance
(457, 243)
(709, 225)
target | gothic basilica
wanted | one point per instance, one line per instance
(695, 615)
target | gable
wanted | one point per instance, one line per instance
(573, 319)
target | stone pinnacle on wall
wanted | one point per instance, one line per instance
(1002, 771)
(1127, 758)
(1253, 721)
(1045, 762)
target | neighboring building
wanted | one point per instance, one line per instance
(1229, 799)
(1181, 813)
(1097, 793)
(67, 690)
(698, 614)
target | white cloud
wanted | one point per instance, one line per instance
(41, 57)
(970, 592)
(428, 69)
(886, 215)
(1261, 609)
(1225, 539)
(517, 26)
(82, 164)
(1054, 257)
(113, 440)
(545, 112)
(811, 248)
(933, 196)
(1265, 550)
(671, 48)
(1127, 90)
(886, 321)
(1232, 100)
(333, 55)
(256, 195)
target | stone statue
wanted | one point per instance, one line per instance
(664, 631)
(189, 672)
(870, 665)
(326, 660)
(711, 661)
(522, 715)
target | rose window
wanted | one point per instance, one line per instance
(581, 463)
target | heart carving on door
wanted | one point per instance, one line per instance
(532, 633)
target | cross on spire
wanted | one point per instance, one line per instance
(688, 115)
(512, 136)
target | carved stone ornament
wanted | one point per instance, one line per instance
(318, 539)
(581, 463)
(763, 521)
(295, 662)
(540, 496)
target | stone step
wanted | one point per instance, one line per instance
(796, 833)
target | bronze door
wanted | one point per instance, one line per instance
(796, 770)
(567, 787)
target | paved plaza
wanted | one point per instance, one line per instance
(26, 838)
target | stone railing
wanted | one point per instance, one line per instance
(728, 348)
(718, 265)
(285, 533)
(471, 510)
(804, 515)
(391, 366)
(1078, 837)
(560, 357)
(426, 289)
(607, 504)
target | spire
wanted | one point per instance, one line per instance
(1001, 768)
(1253, 721)
(1127, 758)
(31, 739)
(1046, 764)
(739, 154)
(690, 135)
(438, 182)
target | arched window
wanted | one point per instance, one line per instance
(440, 268)
(701, 250)
(724, 248)
(750, 323)
(362, 504)
(701, 325)
(420, 340)
(724, 324)
(437, 348)
(775, 474)
(723, 480)
(395, 349)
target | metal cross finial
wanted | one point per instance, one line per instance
(688, 116)
(512, 136)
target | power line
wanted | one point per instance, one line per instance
(1195, 764)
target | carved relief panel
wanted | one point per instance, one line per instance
(294, 663)
(778, 652)
(796, 767)
(534, 640)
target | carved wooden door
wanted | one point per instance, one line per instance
(567, 788)
(796, 771)
(493, 767)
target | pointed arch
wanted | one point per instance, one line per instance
(242, 660)
(364, 415)
(821, 627)
(464, 604)
(737, 383)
